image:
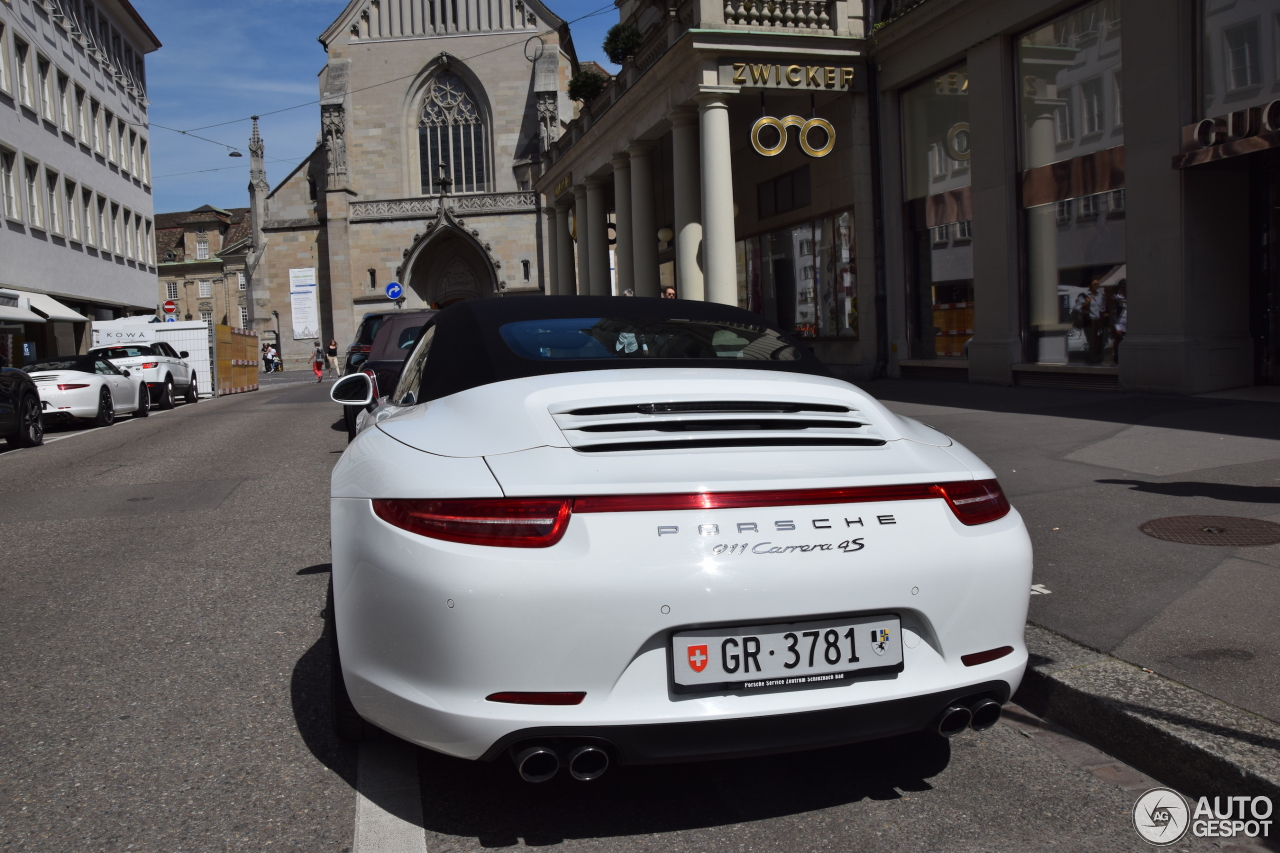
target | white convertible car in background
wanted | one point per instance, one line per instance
(587, 531)
(75, 387)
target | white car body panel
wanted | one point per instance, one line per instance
(428, 628)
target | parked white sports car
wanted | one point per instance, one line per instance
(586, 531)
(87, 387)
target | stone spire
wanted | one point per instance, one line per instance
(258, 187)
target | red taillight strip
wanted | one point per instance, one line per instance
(740, 500)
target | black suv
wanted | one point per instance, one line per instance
(21, 423)
(396, 336)
(367, 331)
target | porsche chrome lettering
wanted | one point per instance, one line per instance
(784, 526)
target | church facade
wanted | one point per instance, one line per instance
(435, 115)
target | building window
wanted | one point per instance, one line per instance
(241, 281)
(22, 68)
(783, 193)
(143, 162)
(170, 290)
(202, 250)
(82, 110)
(52, 201)
(1075, 274)
(151, 245)
(452, 133)
(86, 200)
(206, 314)
(115, 229)
(108, 130)
(66, 106)
(121, 146)
(4, 58)
(1091, 106)
(34, 214)
(1064, 124)
(935, 125)
(526, 273)
(9, 184)
(104, 228)
(72, 197)
(244, 316)
(206, 289)
(127, 227)
(1243, 71)
(95, 121)
(45, 73)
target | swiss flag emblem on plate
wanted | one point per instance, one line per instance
(698, 658)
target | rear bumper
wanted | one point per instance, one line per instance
(665, 743)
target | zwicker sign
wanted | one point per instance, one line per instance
(781, 125)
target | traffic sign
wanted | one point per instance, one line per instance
(170, 306)
(171, 319)
(394, 290)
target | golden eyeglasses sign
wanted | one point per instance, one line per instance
(781, 125)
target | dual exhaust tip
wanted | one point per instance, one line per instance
(541, 763)
(977, 714)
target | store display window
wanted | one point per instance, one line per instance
(803, 277)
(1073, 193)
(935, 140)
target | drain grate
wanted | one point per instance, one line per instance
(1213, 530)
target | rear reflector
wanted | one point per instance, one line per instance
(538, 698)
(72, 387)
(985, 657)
(507, 522)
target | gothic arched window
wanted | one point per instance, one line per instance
(453, 132)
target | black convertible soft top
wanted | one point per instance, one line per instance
(471, 347)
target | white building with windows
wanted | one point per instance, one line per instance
(75, 179)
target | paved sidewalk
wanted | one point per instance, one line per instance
(1085, 469)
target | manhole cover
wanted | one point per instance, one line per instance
(1213, 530)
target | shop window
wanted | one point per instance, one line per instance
(803, 277)
(936, 150)
(170, 290)
(783, 194)
(1243, 67)
(1076, 309)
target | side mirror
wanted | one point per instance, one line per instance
(126, 373)
(353, 390)
(183, 354)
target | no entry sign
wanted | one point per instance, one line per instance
(170, 306)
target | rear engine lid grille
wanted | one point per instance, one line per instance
(695, 424)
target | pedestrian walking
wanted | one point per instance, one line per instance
(331, 355)
(317, 361)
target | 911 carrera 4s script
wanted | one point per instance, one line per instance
(787, 655)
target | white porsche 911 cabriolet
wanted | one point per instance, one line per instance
(587, 531)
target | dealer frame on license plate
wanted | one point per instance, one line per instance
(785, 655)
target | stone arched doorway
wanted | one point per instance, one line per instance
(448, 269)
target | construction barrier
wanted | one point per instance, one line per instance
(236, 354)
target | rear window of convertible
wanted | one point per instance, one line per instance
(596, 338)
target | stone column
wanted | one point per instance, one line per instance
(622, 221)
(597, 238)
(688, 204)
(566, 284)
(580, 225)
(720, 261)
(644, 224)
(553, 268)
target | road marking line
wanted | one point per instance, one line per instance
(1040, 589)
(388, 798)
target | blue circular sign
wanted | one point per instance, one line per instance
(394, 290)
(171, 319)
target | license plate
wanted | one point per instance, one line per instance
(786, 655)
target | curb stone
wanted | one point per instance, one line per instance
(1187, 739)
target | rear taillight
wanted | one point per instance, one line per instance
(975, 501)
(149, 364)
(505, 522)
(359, 348)
(373, 378)
(72, 387)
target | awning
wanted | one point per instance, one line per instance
(16, 313)
(53, 309)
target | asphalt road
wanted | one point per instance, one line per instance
(163, 687)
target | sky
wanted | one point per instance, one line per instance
(223, 62)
